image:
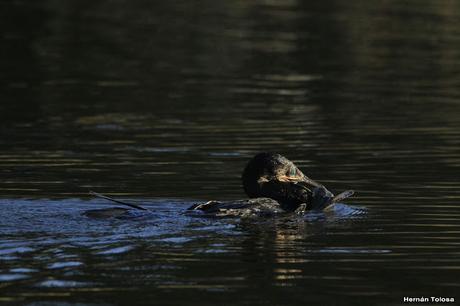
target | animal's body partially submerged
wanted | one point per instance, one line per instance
(258, 207)
(273, 183)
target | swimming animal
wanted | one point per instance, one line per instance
(273, 184)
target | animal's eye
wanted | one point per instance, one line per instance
(292, 171)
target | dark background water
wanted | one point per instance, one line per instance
(166, 101)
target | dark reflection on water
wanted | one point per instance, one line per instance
(168, 100)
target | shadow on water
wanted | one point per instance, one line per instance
(168, 100)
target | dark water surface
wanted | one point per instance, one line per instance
(163, 102)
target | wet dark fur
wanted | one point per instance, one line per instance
(272, 182)
(288, 194)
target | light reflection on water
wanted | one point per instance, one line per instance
(37, 244)
(168, 100)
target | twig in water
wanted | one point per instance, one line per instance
(343, 195)
(98, 195)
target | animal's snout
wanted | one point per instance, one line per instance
(322, 192)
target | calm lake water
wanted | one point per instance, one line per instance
(163, 103)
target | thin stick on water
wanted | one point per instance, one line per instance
(98, 195)
(342, 195)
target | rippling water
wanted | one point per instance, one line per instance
(164, 103)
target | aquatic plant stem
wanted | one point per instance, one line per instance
(98, 195)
